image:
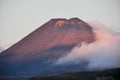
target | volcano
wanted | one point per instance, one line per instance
(34, 54)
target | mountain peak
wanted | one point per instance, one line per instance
(46, 44)
(61, 21)
(75, 19)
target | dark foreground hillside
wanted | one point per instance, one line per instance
(112, 74)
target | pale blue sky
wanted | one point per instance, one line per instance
(20, 17)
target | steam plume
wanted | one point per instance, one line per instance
(103, 53)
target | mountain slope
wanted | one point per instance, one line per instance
(34, 54)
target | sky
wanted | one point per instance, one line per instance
(20, 17)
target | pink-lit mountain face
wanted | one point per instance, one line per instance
(50, 41)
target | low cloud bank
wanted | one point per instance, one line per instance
(103, 53)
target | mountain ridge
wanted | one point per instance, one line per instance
(53, 23)
(36, 53)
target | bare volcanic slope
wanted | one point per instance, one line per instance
(50, 41)
(56, 33)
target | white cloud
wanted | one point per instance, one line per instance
(103, 53)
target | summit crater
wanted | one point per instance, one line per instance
(63, 21)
